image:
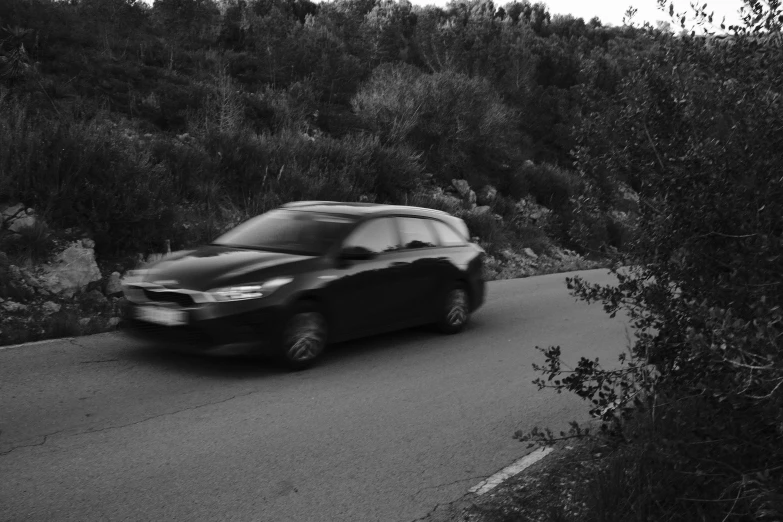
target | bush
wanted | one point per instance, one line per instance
(703, 289)
(459, 124)
(487, 228)
(95, 175)
(29, 244)
(552, 186)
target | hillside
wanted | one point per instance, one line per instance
(128, 130)
(145, 129)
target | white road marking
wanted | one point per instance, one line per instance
(509, 471)
(35, 343)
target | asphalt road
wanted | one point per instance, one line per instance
(103, 428)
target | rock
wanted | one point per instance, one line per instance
(471, 199)
(114, 321)
(84, 321)
(15, 284)
(50, 308)
(462, 186)
(531, 213)
(511, 256)
(529, 253)
(479, 211)
(445, 199)
(93, 301)
(88, 243)
(14, 307)
(114, 285)
(17, 216)
(486, 195)
(71, 271)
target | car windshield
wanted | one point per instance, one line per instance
(298, 232)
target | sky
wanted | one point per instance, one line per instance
(611, 11)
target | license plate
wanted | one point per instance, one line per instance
(160, 315)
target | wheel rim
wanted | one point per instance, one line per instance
(305, 336)
(457, 307)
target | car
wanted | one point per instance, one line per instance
(299, 277)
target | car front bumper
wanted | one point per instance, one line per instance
(244, 326)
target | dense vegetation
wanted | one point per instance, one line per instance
(698, 401)
(144, 123)
(172, 121)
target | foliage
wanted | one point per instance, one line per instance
(460, 124)
(552, 186)
(705, 373)
(199, 106)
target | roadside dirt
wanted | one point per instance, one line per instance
(547, 491)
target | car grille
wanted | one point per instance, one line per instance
(185, 334)
(180, 298)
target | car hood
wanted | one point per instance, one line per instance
(214, 266)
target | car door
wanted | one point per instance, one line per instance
(423, 274)
(362, 292)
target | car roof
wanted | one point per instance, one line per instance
(362, 209)
(378, 209)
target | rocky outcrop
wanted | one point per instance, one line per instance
(50, 308)
(530, 213)
(461, 189)
(114, 285)
(486, 195)
(71, 270)
(509, 264)
(17, 216)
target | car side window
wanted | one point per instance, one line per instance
(448, 236)
(376, 236)
(416, 233)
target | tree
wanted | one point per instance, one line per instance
(459, 124)
(703, 383)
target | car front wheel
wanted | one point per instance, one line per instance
(304, 337)
(455, 310)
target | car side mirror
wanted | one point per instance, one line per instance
(355, 253)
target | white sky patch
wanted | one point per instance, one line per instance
(507, 472)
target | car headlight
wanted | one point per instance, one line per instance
(238, 293)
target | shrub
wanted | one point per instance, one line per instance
(29, 244)
(460, 124)
(95, 175)
(552, 186)
(487, 228)
(514, 184)
(703, 289)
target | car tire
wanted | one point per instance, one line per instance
(304, 337)
(455, 310)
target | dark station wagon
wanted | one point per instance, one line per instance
(310, 273)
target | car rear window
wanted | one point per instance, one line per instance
(416, 233)
(448, 236)
(299, 232)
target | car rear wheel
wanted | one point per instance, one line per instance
(304, 337)
(455, 311)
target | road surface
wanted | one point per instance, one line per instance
(104, 428)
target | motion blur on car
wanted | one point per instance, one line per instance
(295, 279)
